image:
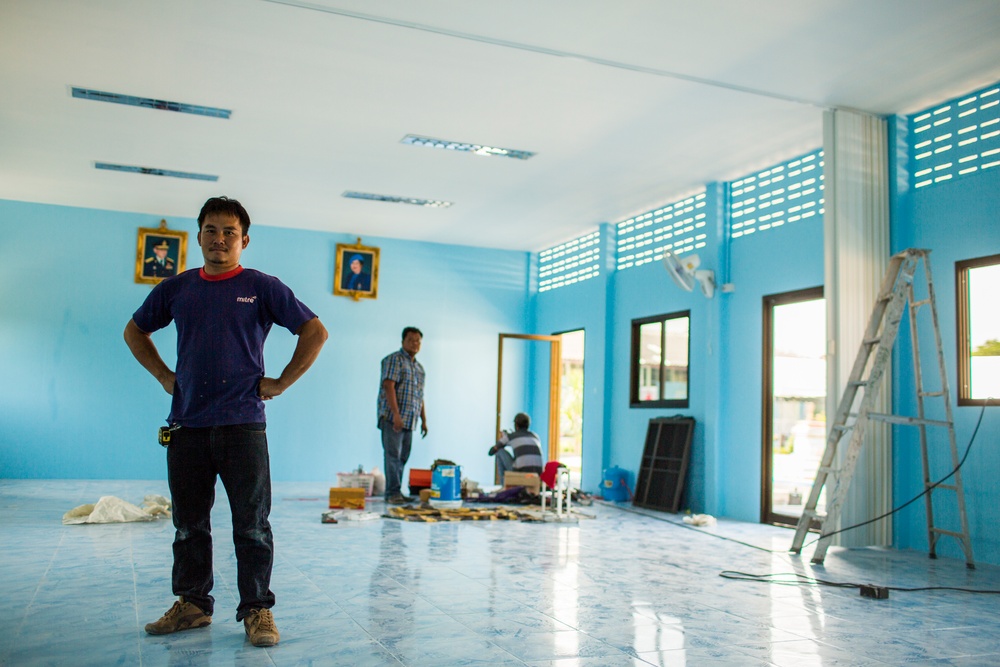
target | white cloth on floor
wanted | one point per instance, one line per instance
(700, 520)
(110, 509)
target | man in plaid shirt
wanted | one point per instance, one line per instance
(400, 401)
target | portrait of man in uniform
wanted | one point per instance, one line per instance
(160, 254)
(160, 264)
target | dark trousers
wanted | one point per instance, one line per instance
(396, 451)
(238, 456)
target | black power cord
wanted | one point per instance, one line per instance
(867, 590)
(909, 502)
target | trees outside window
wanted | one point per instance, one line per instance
(977, 283)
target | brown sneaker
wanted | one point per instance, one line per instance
(182, 616)
(260, 627)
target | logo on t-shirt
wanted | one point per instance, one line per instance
(246, 299)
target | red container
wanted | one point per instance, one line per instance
(419, 479)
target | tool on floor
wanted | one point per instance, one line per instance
(895, 293)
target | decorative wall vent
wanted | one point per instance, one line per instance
(570, 262)
(786, 193)
(678, 227)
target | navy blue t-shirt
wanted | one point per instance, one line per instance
(222, 322)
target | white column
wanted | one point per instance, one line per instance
(856, 228)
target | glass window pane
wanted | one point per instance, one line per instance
(650, 353)
(675, 361)
(984, 331)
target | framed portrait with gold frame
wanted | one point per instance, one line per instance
(355, 272)
(160, 253)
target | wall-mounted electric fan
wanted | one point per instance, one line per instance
(685, 272)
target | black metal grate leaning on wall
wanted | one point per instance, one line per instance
(663, 470)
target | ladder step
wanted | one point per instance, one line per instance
(842, 427)
(930, 394)
(826, 469)
(872, 341)
(907, 421)
(947, 487)
(952, 533)
(858, 383)
(922, 302)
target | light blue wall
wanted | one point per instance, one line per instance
(725, 357)
(646, 291)
(956, 220)
(583, 305)
(76, 405)
(771, 262)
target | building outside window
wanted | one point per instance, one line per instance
(660, 347)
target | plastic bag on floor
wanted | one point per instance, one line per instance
(110, 509)
(699, 520)
(378, 485)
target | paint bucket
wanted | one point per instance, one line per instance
(446, 483)
(613, 487)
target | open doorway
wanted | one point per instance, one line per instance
(571, 405)
(551, 419)
(794, 402)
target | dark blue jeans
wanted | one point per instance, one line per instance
(238, 456)
(396, 450)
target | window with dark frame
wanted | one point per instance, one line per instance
(660, 347)
(977, 282)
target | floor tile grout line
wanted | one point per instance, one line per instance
(38, 587)
(135, 594)
(288, 563)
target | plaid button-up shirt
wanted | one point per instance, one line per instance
(408, 375)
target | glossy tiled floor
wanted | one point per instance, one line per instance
(620, 589)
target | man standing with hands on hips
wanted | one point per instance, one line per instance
(223, 314)
(400, 402)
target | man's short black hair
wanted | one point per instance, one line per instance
(415, 330)
(522, 421)
(225, 206)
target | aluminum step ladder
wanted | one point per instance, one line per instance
(863, 386)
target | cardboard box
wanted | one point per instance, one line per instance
(345, 498)
(529, 480)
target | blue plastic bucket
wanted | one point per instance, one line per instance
(446, 483)
(613, 487)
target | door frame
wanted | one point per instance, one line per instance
(555, 357)
(767, 398)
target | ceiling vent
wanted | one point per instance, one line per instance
(432, 203)
(150, 103)
(478, 149)
(152, 171)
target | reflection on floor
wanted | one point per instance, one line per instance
(622, 589)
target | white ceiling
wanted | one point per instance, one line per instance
(627, 104)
